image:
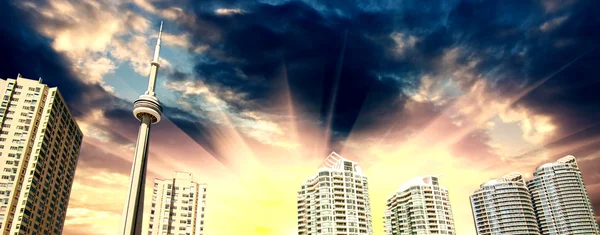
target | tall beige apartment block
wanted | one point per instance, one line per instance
(335, 201)
(419, 207)
(39, 148)
(178, 206)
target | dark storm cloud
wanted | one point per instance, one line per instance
(31, 54)
(27, 52)
(514, 51)
(501, 32)
(255, 46)
(177, 75)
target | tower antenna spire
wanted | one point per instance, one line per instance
(154, 64)
(157, 48)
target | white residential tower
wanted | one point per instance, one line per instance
(503, 206)
(178, 206)
(560, 199)
(335, 201)
(420, 206)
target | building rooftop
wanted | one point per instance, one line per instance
(336, 162)
(513, 176)
(418, 181)
(560, 161)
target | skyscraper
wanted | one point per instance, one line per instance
(503, 206)
(178, 206)
(419, 206)
(336, 200)
(560, 199)
(39, 148)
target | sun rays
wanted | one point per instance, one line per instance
(254, 146)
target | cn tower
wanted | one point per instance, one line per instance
(147, 109)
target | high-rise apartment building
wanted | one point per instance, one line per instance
(336, 200)
(420, 206)
(39, 149)
(178, 206)
(503, 206)
(560, 199)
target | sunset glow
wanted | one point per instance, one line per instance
(256, 94)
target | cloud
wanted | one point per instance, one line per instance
(256, 125)
(557, 5)
(96, 36)
(273, 81)
(34, 56)
(553, 23)
(225, 11)
(447, 55)
(403, 42)
(182, 40)
(84, 31)
(253, 48)
(168, 12)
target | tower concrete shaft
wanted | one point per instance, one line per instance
(148, 110)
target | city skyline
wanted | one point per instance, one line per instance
(257, 93)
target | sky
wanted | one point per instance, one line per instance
(256, 94)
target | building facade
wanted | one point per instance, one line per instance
(335, 201)
(39, 149)
(560, 199)
(503, 206)
(420, 206)
(178, 206)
